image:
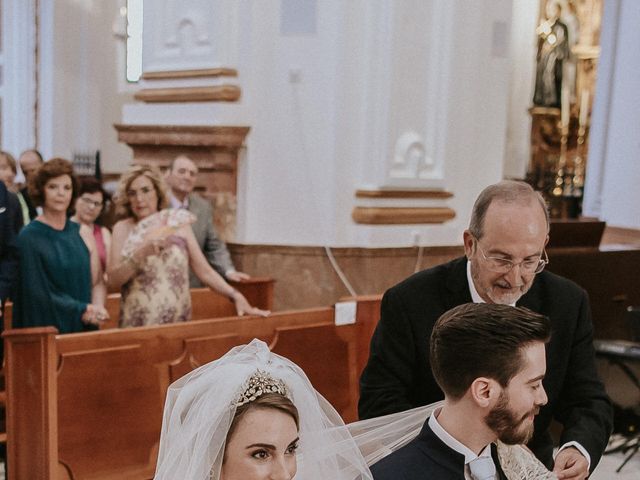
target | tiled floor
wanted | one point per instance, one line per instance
(606, 469)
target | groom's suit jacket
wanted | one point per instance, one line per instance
(426, 457)
(398, 375)
(210, 243)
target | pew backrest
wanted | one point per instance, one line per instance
(92, 402)
(205, 303)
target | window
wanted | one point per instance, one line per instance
(133, 12)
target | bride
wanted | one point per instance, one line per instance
(250, 415)
(254, 415)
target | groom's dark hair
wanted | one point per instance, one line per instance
(482, 340)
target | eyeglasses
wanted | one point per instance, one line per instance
(144, 191)
(528, 266)
(91, 203)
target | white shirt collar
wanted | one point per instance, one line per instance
(475, 296)
(175, 203)
(454, 444)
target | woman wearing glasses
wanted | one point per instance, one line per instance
(151, 252)
(89, 206)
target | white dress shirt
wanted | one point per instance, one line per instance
(455, 445)
(175, 203)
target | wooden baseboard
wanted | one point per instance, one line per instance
(218, 93)
(401, 215)
(621, 236)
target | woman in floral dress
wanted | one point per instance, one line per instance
(151, 252)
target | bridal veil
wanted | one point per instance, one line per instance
(201, 405)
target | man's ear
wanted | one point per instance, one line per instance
(484, 392)
(546, 240)
(469, 243)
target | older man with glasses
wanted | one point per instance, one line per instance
(504, 264)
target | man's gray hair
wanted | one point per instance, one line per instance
(506, 191)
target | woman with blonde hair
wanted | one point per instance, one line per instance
(152, 249)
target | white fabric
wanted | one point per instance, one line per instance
(175, 203)
(378, 437)
(482, 468)
(455, 445)
(200, 406)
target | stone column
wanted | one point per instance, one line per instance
(189, 98)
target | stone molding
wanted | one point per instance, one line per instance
(182, 135)
(400, 193)
(215, 93)
(401, 215)
(180, 74)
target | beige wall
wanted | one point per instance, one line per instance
(305, 278)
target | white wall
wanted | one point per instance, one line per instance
(18, 85)
(613, 168)
(79, 81)
(328, 106)
(521, 73)
(369, 74)
(290, 165)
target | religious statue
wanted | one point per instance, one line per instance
(553, 49)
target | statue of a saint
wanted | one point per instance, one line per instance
(553, 49)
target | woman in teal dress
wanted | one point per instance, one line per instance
(58, 284)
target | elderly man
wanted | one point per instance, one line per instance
(30, 161)
(490, 361)
(505, 258)
(181, 178)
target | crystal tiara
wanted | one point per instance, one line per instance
(259, 384)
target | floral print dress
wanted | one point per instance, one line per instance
(159, 292)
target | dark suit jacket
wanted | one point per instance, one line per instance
(211, 244)
(33, 213)
(10, 225)
(426, 457)
(398, 376)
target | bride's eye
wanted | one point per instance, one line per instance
(292, 448)
(260, 454)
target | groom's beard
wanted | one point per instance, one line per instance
(510, 427)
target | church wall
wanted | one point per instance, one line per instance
(327, 108)
(81, 75)
(288, 83)
(613, 169)
(522, 73)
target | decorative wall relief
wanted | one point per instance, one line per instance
(410, 158)
(190, 34)
(188, 31)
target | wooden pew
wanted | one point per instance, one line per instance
(205, 303)
(89, 405)
(609, 274)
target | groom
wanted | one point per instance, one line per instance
(489, 360)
